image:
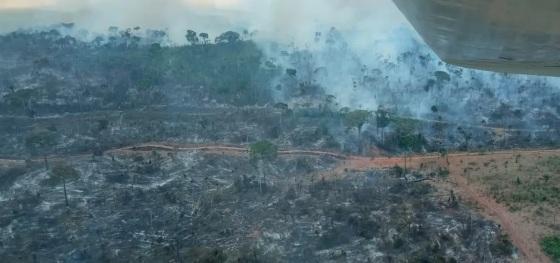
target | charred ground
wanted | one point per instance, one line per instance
(196, 207)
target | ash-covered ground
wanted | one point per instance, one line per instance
(210, 207)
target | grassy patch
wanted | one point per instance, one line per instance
(536, 184)
(552, 163)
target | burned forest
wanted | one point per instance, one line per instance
(126, 145)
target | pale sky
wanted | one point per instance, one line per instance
(20, 4)
(290, 20)
(60, 4)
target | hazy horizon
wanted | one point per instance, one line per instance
(285, 21)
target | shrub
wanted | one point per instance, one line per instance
(207, 255)
(334, 237)
(399, 171)
(8, 177)
(502, 246)
(551, 246)
(443, 172)
(263, 150)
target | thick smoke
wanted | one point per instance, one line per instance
(400, 72)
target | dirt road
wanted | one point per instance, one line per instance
(520, 230)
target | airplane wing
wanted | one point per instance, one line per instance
(515, 36)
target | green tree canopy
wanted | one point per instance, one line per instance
(228, 37)
(263, 150)
(191, 37)
(407, 136)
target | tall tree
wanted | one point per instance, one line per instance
(192, 38)
(204, 37)
(228, 38)
(40, 142)
(260, 152)
(382, 120)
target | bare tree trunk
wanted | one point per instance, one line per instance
(177, 248)
(65, 194)
(133, 177)
(261, 173)
(405, 172)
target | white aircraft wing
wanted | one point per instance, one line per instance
(516, 36)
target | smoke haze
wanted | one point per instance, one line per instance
(285, 20)
(382, 61)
